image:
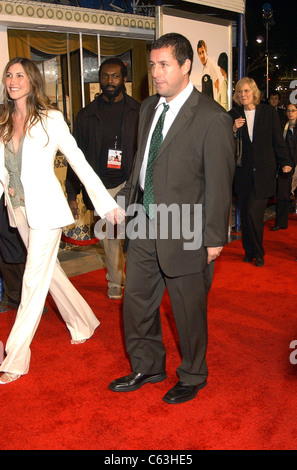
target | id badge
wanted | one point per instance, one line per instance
(114, 159)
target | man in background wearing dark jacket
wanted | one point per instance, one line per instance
(106, 132)
(12, 262)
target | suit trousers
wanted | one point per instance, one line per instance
(12, 275)
(145, 286)
(113, 253)
(43, 273)
(283, 196)
(252, 211)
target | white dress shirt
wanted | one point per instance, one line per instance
(250, 119)
(174, 108)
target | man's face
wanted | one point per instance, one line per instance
(274, 100)
(111, 81)
(169, 77)
(202, 53)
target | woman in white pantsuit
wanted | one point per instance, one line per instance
(31, 132)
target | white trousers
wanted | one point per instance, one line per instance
(43, 273)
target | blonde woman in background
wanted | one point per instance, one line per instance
(263, 151)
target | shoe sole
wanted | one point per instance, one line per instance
(132, 388)
(115, 296)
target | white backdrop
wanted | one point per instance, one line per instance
(216, 34)
(231, 5)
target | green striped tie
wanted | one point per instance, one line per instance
(157, 139)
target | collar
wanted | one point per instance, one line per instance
(178, 101)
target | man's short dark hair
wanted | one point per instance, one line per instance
(201, 43)
(275, 93)
(182, 49)
(115, 61)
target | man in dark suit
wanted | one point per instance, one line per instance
(284, 180)
(193, 171)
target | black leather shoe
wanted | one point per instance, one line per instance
(259, 262)
(5, 309)
(248, 259)
(182, 392)
(134, 382)
(276, 228)
(9, 303)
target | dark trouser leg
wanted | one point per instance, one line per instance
(283, 199)
(142, 297)
(12, 275)
(282, 213)
(252, 213)
(188, 295)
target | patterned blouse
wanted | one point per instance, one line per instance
(13, 164)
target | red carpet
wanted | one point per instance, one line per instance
(251, 398)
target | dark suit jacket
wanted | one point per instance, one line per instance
(281, 115)
(260, 158)
(292, 151)
(195, 165)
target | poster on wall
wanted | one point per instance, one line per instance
(211, 40)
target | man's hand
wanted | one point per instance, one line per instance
(116, 216)
(287, 169)
(213, 253)
(74, 209)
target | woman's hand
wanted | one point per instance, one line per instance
(116, 216)
(238, 123)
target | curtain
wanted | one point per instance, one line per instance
(19, 43)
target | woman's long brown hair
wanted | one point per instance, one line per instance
(37, 101)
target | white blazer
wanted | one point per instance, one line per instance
(46, 205)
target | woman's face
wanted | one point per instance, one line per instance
(17, 82)
(291, 113)
(246, 96)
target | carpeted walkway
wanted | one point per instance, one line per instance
(251, 398)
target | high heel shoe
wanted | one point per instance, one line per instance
(7, 378)
(79, 341)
